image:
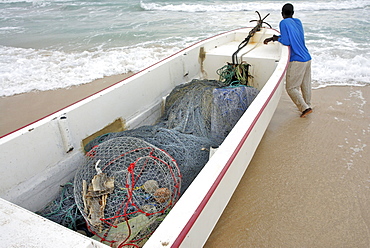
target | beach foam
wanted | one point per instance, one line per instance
(49, 45)
(23, 70)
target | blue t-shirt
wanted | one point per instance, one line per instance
(292, 35)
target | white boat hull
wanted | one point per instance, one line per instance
(40, 157)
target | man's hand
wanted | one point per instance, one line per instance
(267, 40)
(273, 38)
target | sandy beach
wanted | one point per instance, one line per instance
(307, 185)
(19, 110)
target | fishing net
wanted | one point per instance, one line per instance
(188, 107)
(229, 104)
(63, 210)
(124, 188)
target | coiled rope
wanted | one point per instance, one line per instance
(233, 75)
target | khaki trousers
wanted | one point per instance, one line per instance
(298, 83)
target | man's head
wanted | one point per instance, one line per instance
(287, 10)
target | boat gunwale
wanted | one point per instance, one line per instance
(214, 186)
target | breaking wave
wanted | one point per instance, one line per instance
(226, 6)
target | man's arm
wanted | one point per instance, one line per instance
(284, 37)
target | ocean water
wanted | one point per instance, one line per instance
(51, 44)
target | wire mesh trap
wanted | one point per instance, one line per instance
(125, 188)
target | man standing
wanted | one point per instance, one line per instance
(298, 76)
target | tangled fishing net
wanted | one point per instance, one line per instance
(229, 104)
(130, 180)
(189, 107)
(63, 210)
(126, 186)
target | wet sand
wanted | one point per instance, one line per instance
(308, 183)
(19, 110)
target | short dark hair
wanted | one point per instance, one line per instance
(288, 9)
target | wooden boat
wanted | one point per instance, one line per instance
(38, 158)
